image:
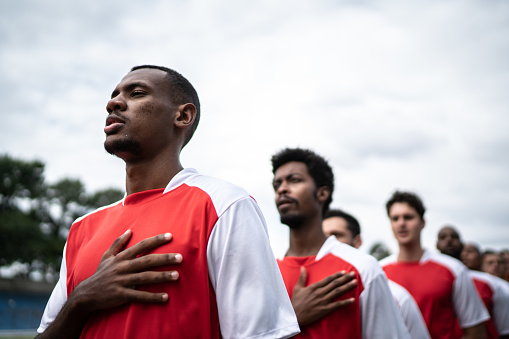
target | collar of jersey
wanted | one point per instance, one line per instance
(146, 196)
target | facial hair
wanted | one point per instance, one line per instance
(126, 145)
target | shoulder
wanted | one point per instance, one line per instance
(97, 211)
(365, 264)
(222, 193)
(455, 266)
(391, 259)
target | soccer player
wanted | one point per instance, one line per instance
(491, 289)
(190, 256)
(347, 230)
(439, 284)
(490, 263)
(303, 184)
(449, 242)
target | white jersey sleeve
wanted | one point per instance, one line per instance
(467, 303)
(410, 312)
(57, 299)
(251, 296)
(380, 317)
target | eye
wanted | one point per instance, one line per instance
(137, 93)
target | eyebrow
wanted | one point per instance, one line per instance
(129, 87)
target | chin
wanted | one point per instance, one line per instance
(292, 220)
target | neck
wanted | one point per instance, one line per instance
(307, 239)
(150, 174)
(410, 252)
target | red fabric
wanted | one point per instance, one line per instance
(342, 323)
(196, 315)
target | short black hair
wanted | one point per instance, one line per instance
(182, 92)
(410, 198)
(351, 223)
(317, 166)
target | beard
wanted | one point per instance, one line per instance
(126, 145)
(294, 221)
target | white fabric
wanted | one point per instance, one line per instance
(500, 290)
(468, 306)
(238, 253)
(410, 311)
(380, 316)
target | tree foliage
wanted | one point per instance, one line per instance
(35, 216)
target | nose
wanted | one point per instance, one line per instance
(282, 188)
(115, 104)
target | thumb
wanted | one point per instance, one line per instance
(303, 278)
(118, 245)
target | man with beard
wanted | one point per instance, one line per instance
(449, 242)
(225, 282)
(303, 184)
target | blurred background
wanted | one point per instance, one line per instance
(396, 95)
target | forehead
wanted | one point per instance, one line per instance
(448, 231)
(292, 167)
(336, 223)
(402, 208)
(149, 77)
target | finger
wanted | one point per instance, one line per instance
(150, 277)
(338, 281)
(145, 245)
(118, 245)
(154, 260)
(340, 303)
(146, 297)
(327, 280)
(337, 292)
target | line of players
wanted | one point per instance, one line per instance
(435, 293)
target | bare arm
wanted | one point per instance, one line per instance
(316, 300)
(475, 332)
(113, 284)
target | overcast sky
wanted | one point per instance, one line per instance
(395, 94)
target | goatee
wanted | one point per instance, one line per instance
(127, 145)
(292, 220)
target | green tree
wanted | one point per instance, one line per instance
(35, 217)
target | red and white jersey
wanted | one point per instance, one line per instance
(495, 295)
(410, 312)
(374, 314)
(443, 291)
(229, 284)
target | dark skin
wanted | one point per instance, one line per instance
(139, 113)
(298, 197)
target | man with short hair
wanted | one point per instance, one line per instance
(448, 242)
(443, 302)
(491, 290)
(225, 282)
(303, 184)
(343, 226)
(347, 230)
(490, 263)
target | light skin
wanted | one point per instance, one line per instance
(147, 131)
(407, 225)
(471, 257)
(298, 198)
(491, 264)
(338, 227)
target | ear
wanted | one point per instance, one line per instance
(185, 116)
(323, 194)
(357, 241)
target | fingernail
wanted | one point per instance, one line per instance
(167, 235)
(129, 230)
(164, 297)
(178, 257)
(174, 274)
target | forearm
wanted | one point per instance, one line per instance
(68, 324)
(475, 332)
